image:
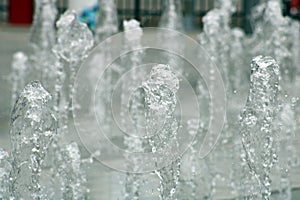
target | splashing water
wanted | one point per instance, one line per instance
(133, 34)
(273, 36)
(73, 45)
(33, 126)
(74, 41)
(257, 118)
(218, 48)
(160, 100)
(39, 153)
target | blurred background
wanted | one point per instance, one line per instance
(148, 12)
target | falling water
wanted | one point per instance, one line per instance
(43, 166)
(257, 119)
(33, 126)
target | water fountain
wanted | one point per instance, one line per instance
(257, 129)
(107, 22)
(42, 39)
(172, 15)
(107, 25)
(43, 36)
(74, 40)
(253, 157)
(161, 124)
(172, 18)
(33, 127)
(216, 21)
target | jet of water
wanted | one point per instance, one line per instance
(107, 20)
(161, 125)
(172, 18)
(133, 34)
(217, 46)
(42, 39)
(107, 24)
(33, 127)
(172, 15)
(71, 174)
(42, 35)
(74, 41)
(257, 130)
